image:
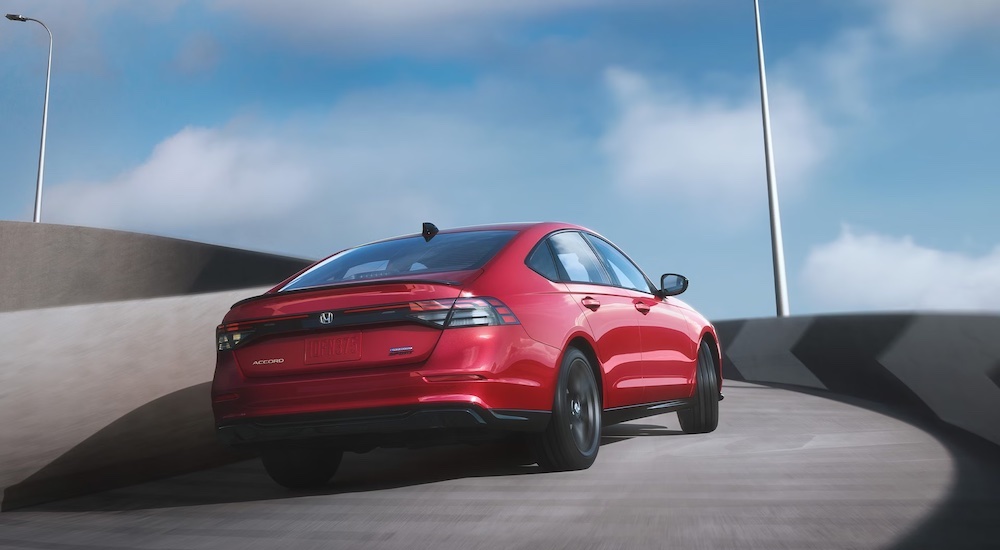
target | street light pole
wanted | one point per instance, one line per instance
(45, 118)
(777, 248)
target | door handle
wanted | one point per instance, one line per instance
(590, 303)
(642, 307)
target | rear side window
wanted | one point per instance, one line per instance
(411, 255)
(541, 261)
(577, 260)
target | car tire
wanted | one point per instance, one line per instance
(703, 416)
(301, 468)
(573, 436)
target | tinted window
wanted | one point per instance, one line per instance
(412, 255)
(541, 261)
(577, 259)
(627, 274)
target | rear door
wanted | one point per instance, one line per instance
(667, 348)
(609, 311)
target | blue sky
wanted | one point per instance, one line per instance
(308, 126)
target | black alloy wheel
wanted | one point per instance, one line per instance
(573, 436)
(301, 468)
(703, 416)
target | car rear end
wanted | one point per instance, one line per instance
(381, 345)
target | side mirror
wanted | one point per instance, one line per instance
(672, 284)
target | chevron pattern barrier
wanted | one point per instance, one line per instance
(943, 366)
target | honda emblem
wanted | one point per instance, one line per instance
(326, 317)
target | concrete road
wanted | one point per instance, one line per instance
(784, 470)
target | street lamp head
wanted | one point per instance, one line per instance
(15, 17)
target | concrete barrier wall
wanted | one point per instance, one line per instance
(108, 351)
(46, 265)
(106, 395)
(945, 366)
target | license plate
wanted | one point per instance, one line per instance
(333, 349)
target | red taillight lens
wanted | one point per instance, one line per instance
(506, 315)
(431, 311)
(229, 336)
(464, 312)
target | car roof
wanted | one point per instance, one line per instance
(510, 226)
(540, 228)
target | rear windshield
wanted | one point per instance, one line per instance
(409, 256)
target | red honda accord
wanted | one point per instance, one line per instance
(460, 336)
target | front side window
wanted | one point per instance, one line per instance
(400, 257)
(627, 274)
(578, 262)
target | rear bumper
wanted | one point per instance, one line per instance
(478, 369)
(395, 426)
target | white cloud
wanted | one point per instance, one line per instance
(869, 271)
(900, 39)
(919, 22)
(376, 164)
(665, 140)
(199, 176)
(299, 190)
(838, 74)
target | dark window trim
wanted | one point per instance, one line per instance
(544, 241)
(564, 277)
(607, 268)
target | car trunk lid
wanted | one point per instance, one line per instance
(345, 327)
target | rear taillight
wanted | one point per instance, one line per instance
(447, 313)
(229, 336)
(463, 312)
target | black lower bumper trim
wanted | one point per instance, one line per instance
(384, 427)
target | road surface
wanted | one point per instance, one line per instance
(785, 469)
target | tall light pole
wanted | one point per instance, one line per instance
(45, 118)
(777, 248)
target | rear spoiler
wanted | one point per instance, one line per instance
(372, 282)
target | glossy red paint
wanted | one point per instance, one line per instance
(289, 364)
(516, 373)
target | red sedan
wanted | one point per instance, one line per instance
(459, 336)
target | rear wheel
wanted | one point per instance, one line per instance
(573, 436)
(703, 417)
(301, 468)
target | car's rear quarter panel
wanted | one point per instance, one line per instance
(547, 310)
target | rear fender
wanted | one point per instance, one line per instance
(709, 337)
(585, 343)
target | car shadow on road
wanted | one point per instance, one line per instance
(380, 469)
(624, 432)
(246, 481)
